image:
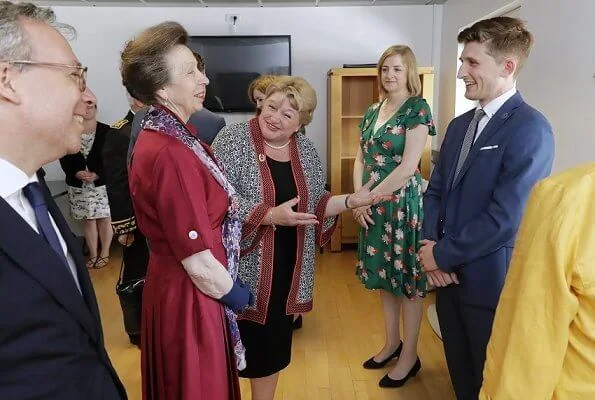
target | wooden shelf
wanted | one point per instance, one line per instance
(350, 92)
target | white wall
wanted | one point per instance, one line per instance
(557, 79)
(322, 38)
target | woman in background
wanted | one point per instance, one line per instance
(87, 194)
(186, 208)
(258, 88)
(393, 137)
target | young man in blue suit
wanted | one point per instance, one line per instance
(51, 343)
(490, 159)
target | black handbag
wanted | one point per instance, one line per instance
(130, 294)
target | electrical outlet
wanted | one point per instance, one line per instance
(232, 19)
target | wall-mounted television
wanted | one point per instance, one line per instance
(232, 62)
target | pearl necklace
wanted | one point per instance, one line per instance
(277, 147)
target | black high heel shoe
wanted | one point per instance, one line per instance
(297, 323)
(388, 382)
(373, 364)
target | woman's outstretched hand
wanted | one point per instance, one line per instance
(365, 197)
(284, 215)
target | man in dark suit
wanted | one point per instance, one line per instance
(136, 252)
(490, 159)
(51, 342)
(207, 123)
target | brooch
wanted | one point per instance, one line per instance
(261, 157)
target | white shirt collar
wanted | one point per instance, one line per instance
(13, 178)
(493, 106)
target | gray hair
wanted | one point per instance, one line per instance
(13, 42)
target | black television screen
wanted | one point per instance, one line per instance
(232, 62)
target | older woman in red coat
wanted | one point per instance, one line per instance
(185, 207)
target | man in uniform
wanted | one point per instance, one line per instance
(135, 253)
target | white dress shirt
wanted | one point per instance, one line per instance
(11, 189)
(492, 108)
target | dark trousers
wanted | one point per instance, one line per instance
(465, 332)
(136, 258)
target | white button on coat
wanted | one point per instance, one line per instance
(193, 235)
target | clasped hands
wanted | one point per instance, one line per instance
(362, 212)
(87, 176)
(436, 277)
(126, 239)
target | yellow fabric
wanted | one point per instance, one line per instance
(543, 339)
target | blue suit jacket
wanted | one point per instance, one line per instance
(475, 218)
(51, 343)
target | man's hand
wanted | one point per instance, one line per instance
(426, 255)
(438, 278)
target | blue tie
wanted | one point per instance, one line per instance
(34, 194)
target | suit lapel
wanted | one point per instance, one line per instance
(501, 116)
(31, 253)
(74, 249)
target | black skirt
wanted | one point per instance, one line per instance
(268, 346)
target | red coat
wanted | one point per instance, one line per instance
(186, 348)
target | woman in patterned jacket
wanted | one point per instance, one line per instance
(286, 213)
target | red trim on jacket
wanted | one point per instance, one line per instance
(266, 234)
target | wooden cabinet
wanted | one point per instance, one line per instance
(350, 92)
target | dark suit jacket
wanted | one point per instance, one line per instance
(73, 163)
(51, 343)
(115, 150)
(475, 219)
(207, 124)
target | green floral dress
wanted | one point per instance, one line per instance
(388, 251)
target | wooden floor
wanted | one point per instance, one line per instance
(344, 329)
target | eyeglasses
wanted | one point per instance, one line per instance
(80, 71)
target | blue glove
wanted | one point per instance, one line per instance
(239, 297)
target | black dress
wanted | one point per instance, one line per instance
(268, 346)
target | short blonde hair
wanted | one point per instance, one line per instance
(300, 93)
(409, 61)
(261, 84)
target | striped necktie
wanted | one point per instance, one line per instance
(468, 141)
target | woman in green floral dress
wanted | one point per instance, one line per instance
(393, 136)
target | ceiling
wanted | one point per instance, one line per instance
(239, 3)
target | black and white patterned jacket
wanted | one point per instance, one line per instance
(241, 149)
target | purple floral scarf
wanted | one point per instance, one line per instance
(162, 120)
